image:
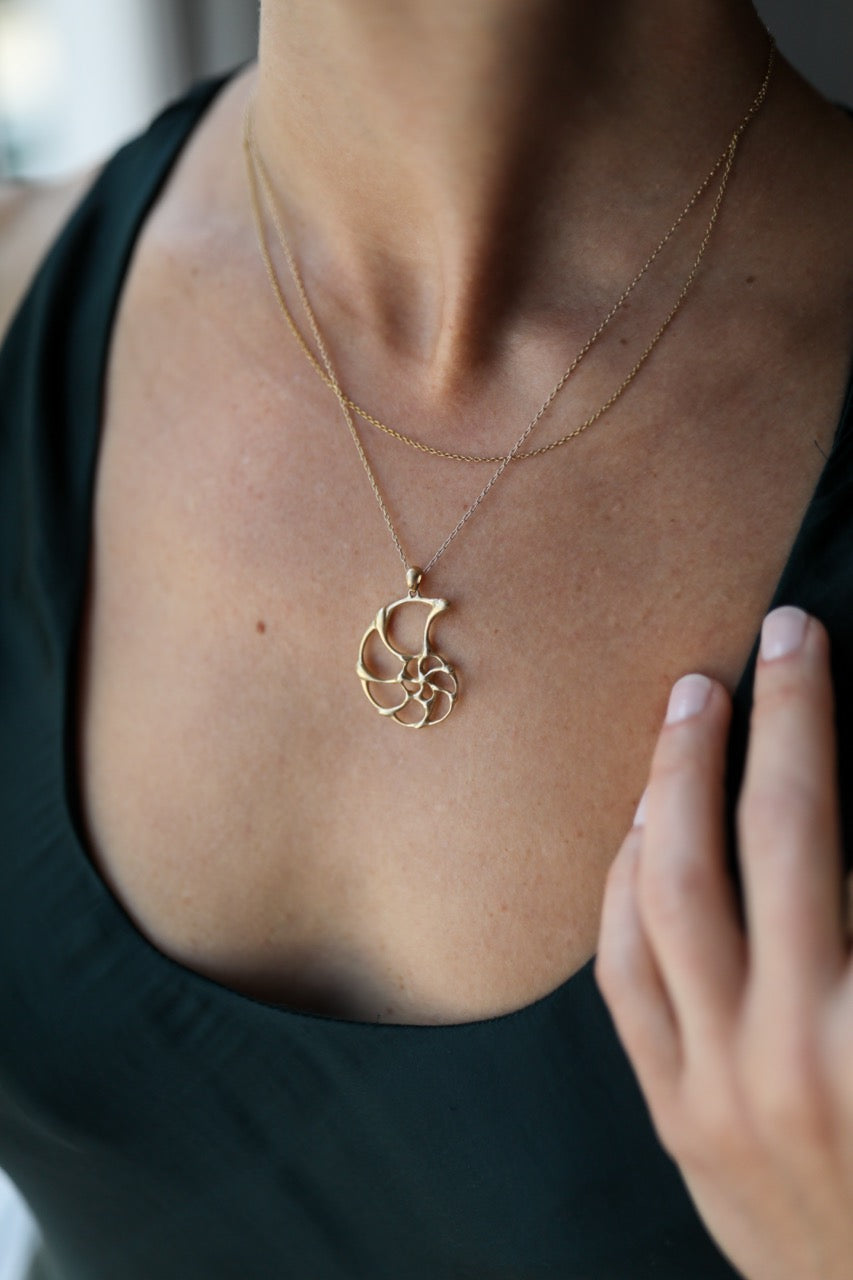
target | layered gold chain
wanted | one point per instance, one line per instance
(258, 173)
(424, 688)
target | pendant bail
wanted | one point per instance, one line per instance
(414, 577)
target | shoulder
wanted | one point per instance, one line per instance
(31, 216)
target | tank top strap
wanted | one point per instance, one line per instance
(53, 360)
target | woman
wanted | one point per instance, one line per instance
(296, 991)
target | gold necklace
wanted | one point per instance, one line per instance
(423, 689)
(257, 167)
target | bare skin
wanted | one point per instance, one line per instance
(256, 818)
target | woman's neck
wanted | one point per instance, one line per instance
(446, 164)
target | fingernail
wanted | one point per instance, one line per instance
(689, 695)
(782, 631)
(640, 815)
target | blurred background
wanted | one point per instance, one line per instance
(77, 77)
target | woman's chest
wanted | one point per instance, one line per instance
(257, 817)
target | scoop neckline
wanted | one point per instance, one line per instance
(199, 102)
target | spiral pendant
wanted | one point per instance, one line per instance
(404, 678)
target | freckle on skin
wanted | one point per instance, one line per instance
(262, 627)
(750, 279)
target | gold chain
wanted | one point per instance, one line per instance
(257, 169)
(255, 166)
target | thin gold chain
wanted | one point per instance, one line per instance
(255, 168)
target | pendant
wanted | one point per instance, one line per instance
(403, 677)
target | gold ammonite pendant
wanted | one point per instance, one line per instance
(403, 677)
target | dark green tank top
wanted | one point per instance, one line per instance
(163, 1127)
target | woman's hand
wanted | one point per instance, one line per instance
(743, 1046)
